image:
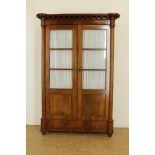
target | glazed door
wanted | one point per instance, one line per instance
(61, 76)
(77, 77)
(93, 76)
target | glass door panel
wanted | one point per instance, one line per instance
(61, 39)
(61, 59)
(93, 79)
(61, 79)
(94, 59)
(94, 38)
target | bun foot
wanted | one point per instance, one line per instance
(110, 134)
(43, 131)
(43, 128)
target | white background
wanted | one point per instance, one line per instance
(13, 78)
(121, 98)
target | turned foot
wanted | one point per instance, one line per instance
(43, 126)
(110, 134)
(43, 131)
(110, 128)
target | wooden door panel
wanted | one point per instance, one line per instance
(61, 106)
(93, 107)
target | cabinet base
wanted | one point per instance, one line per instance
(79, 126)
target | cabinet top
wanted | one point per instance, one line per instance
(98, 16)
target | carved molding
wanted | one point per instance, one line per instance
(43, 23)
(106, 16)
(112, 22)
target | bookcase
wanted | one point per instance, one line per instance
(77, 72)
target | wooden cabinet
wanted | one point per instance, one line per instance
(77, 72)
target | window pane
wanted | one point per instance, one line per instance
(60, 59)
(61, 39)
(94, 59)
(60, 79)
(94, 38)
(93, 80)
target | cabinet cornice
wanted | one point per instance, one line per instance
(99, 16)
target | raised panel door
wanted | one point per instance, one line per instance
(61, 76)
(93, 76)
